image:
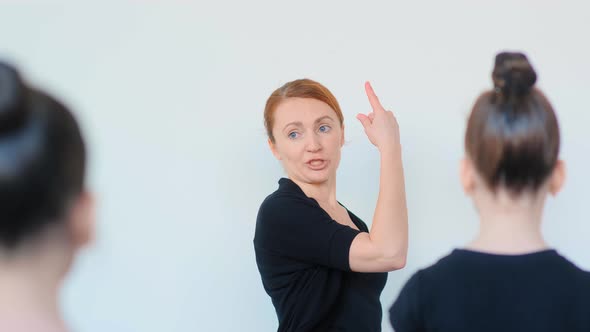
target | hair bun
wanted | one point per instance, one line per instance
(12, 95)
(513, 75)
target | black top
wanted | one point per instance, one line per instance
(302, 256)
(475, 291)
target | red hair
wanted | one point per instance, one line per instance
(302, 88)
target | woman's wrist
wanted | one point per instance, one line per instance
(393, 149)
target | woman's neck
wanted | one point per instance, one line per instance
(29, 300)
(509, 225)
(29, 283)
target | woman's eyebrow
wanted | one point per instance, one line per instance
(323, 118)
(295, 123)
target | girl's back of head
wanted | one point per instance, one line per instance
(512, 135)
(42, 160)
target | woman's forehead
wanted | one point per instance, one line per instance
(302, 110)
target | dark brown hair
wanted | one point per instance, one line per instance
(42, 159)
(512, 133)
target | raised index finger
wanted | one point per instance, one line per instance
(373, 99)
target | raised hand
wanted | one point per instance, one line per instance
(380, 125)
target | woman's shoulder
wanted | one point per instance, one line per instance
(284, 201)
(285, 211)
(287, 198)
(356, 219)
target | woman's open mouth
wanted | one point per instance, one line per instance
(317, 164)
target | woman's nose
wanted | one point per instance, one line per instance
(313, 143)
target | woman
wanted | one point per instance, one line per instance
(320, 264)
(507, 278)
(45, 211)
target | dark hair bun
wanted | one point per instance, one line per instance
(12, 96)
(42, 160)
(513, 75)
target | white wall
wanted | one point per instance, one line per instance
(170, 95)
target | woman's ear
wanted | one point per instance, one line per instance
(557, 178)
(467, 175)
(273, 148)
(81, 220)
(342, 141)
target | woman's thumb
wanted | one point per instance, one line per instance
(366, 122)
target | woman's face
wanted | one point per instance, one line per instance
(308, 137)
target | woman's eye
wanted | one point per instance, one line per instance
(293, 135)
(325, 129)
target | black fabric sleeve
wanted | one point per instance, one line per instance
(298, 229)
(404, 314)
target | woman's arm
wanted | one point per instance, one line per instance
(385, 247)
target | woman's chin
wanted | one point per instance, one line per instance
(318, 177)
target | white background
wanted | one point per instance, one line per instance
(171, 93)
